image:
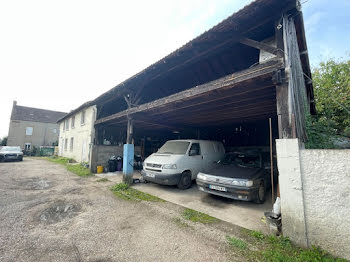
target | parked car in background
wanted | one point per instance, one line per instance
(178, 162)
(238, 176)
(11, 153)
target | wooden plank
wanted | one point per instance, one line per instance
(232, 119)
(261, 46)
(217, 102)
(239, 113)
(225, 82)
(242, 107)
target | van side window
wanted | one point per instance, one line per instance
(195, 149)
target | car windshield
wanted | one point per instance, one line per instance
(229, 159)
(248, 160)
(241, 160)
(174, 147)
(10, 148)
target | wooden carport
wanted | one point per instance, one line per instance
(247, 95)
(252, 66)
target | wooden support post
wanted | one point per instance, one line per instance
(282, 96)
(271, 163)
(284, 127)
(128, 152)
(96, 140)
(129, 131)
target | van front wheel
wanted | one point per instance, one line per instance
(185, 180)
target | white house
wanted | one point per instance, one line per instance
(77, 133)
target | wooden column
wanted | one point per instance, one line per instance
(128, 149)
(284, 127)
(282, 83)
(130, 129)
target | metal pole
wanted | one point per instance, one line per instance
(271, 163)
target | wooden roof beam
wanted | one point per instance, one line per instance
(267, 68)
(261, 46)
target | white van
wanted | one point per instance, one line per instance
(178, 162)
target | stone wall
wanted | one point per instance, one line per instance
(315, 196)
(44, 134)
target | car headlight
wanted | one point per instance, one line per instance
(169, 166)
(202, 177)
(246, 183)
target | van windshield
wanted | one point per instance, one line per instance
(174, 147)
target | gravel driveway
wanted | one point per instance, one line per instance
(50, 214)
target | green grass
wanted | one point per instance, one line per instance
(102, 180)
(180, 223)
(236, 242)
(77, 169)
(125, 192)
(257, 234)
(281, 249)
(196, 216)
(275, 249)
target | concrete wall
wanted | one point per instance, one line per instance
(102, 153)
(326, 180)
(315, 196)
(290, 183)
(82, 134)
(44, 134)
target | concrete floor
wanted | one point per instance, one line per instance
(244, 214)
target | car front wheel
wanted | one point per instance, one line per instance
(260, 198)
(185, 180)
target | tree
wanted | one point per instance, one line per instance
(331, 81)
(3, 141)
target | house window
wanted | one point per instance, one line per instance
(65, 144)
(82, 120)
(27, 146)
(67, 124)
(72, 124)
(29, 131)
(71, 144)
(54, 130)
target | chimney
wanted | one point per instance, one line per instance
(14, 103)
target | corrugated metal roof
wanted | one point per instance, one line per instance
(247, 21)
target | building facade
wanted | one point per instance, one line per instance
(33, 127)
(77, 133)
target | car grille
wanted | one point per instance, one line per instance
(153, 165)
(154, 170)
(221, 180)
(11, 155)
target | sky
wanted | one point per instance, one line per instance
(59, 54)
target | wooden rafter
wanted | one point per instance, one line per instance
(205, 89)
(261, 46)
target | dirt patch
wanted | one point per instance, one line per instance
(75, 191)
(59, 211)
(35, 183)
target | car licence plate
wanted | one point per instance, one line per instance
(219, 188)
(150, 175)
